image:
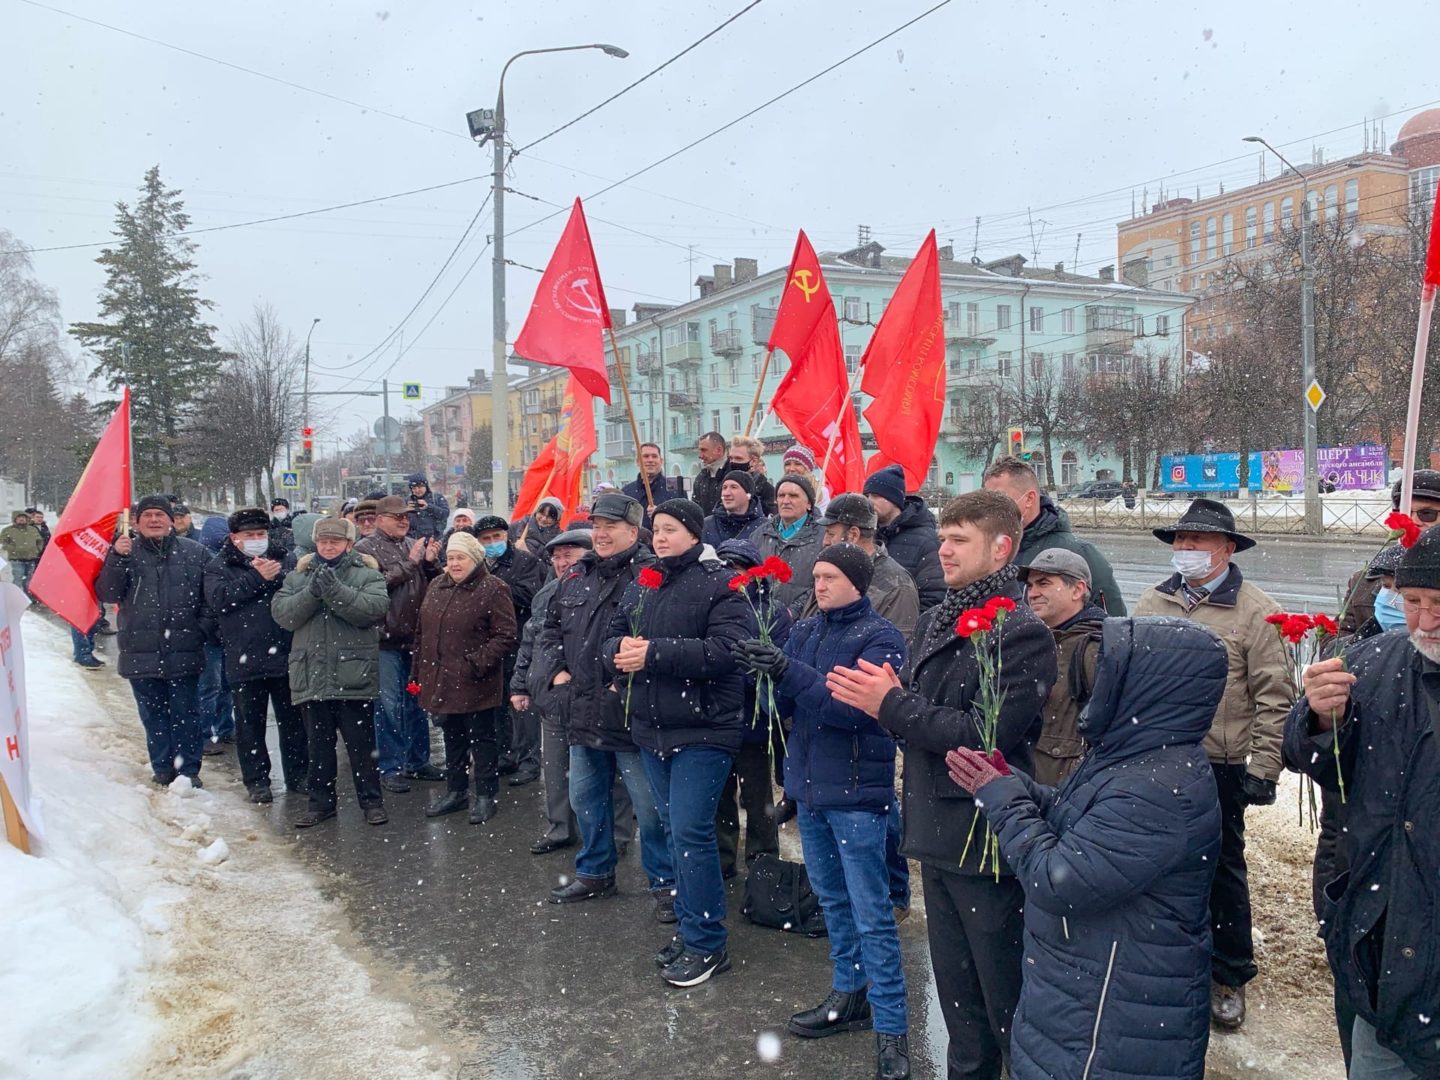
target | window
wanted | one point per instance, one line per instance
(1162, 325)
(1252, 234)
(714, 328)
(952, 315)
(852, 358)
(1422, 185)
(756, 363)
(1210, 237)
(1037, 364)
(1139, 326)
(735, 419)
(972, 363)
(1002, 316)
(1332, 203)
(1037, 320)
(733, 365)
(972, 320)
(1067, 363)
(714, 376)
(1227, 234)
(780, 362)
(1069, 468)
(1106, 363)
(674, 427)
(1194, 242)
(714, 419)
(1109, 317)
(1287, 212)
(1352, 199)
(1002, 363)
(1267, 227)
(853, 309)
(1312, 203)
(1067, 320)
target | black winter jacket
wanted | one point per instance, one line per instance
(661, 488)
(574, 631)
(1381, 917)
(160, 589)
(837, 757)
(913, 541)
(691, 691)
(1116, 865)
(431, 522)
(723, 525)
(705, 488)
(932, 712)
(256, 646)
(1051, 529)
(525, 574)
(532, 673)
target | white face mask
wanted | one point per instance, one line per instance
(254, 548)
(1192, 564)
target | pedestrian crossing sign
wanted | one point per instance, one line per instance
(289, 480)
(410, 391)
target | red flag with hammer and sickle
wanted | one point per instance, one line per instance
(569, 313)
(904, 367)
(559, 469)
(813, 400)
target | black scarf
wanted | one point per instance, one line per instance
(942, 627)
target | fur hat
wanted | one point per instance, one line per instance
(251, 517)
(490, 523)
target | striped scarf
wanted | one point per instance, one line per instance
(942, 627)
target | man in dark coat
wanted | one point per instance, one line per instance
(1116, 866)
(1369, 725)
(240, 583)
(282, 524)
(747, 454)
(705, 488)
(850, 519)
(907, 529)
(401, 730)
(524, 574)
(840, 772)
(662, 487)
(217, 702)
(1047, 526)
(670, 648)
(739, 515)
(157, 579)
(582, 690)
(429, 511)
(533, 532)
(974, 917)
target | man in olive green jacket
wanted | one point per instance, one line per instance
(22, 544)
(334, 602)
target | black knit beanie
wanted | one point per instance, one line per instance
(744, 479)
(803, 483)
(1420, 566)
(686, 512)
(155, 502)
(850, 561)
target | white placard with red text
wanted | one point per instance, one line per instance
(14, 721)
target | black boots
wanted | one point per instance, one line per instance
(583, 888)
(449, 803)
(892, 1057)
(484, 809)
(838, 1012)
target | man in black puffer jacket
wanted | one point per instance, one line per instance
(518, 733)
(1117, 864)
(670, 646)
(156, 578)
(975, 918)
(576, 624)
(240, 582)
(429, 512)
(907, 529)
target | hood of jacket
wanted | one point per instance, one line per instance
(1158, 682)
(1051, 519)
(303, 526)
(418, 478)
(735, 522)
(913, 515)
(214, 533)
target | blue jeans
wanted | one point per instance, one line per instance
(592, 785)
(83, 644)
(846, 859)
(170, 713)
(898, 866)
(402, 733)
(1371, 1061)
(687, 788)
(217, 707)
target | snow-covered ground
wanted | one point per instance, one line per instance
(164, 932)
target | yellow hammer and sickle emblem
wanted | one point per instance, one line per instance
(801, 281)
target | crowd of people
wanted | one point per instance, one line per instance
(665, 663)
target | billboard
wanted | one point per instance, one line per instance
(1345, 468)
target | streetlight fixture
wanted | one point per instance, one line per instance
(1314, 512)
(486, 125)
(305, 434)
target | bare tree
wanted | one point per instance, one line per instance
(1051, 404)
(979, 421)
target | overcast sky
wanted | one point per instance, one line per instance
(997, 111)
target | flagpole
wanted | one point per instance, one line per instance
(755, 404)
(630, 412)
(544, 491)
(1417, 385)
(849, 404)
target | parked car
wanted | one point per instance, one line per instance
(1099, 489)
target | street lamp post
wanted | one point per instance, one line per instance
(305, 410)
(482, 128)
(1314, 511)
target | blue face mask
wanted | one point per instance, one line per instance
(495, 550)
(1389, 609)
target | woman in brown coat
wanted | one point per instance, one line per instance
(466, 628)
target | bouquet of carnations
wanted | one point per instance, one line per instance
(982, 626)
(649, 580)
(764, 577)
(1305, 639)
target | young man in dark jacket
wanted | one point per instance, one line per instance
(907, 530)
(429, 511)
(1369, 724)
(840, 771)
(240, 583)
(282, 524)
(524, 574)
(1116, 866)
(738, 516)
(402, 732)
(661, 487)
(581, 689)
(974, 921)
(670, 649)
(156, 578)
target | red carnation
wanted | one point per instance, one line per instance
(650, 578)
(974, 621)
(1326, 625)
(1278, 619)
(1295, 628)
(1404, 528)
(740, 580)
(997, 604)
(412, 688)
(777, 568)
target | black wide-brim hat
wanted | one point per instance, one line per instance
(1206, 516)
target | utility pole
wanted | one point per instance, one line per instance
(305, 414)
(385, 438)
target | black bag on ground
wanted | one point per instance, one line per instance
(778, 895)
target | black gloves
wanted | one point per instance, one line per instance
(762, 659)
(321, 578)
(1258, 792)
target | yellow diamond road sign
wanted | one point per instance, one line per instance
(1314, 395)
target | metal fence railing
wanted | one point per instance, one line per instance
(1346, 513)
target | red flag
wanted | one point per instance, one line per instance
(65, 579)
(904, 367)
(1432, 257)
(813, 400)
(559, 469)
(570, 311)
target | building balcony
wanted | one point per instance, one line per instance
(727, 343)
(684, 440)
(685, 354)
(953, 336)
(682, 401)
(615, 411)
(620, 450)
(762, 323)
(960, 377)
(647, 363)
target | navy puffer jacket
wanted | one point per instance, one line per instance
(837, 757)
(1116, 864)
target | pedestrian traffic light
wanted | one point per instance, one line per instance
(307, 440)
(1017, 441)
